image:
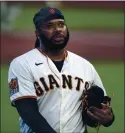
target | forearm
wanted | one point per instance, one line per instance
(28, 111)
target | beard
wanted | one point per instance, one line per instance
(52, 45)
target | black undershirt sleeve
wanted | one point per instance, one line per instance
(28, 110)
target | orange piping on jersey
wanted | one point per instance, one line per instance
(24, 97)
(52, 69)
(41, 51)
(66, 54)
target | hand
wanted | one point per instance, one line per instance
(103, 116)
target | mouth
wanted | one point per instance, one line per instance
(58, 38)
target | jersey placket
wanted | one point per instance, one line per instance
(58, 75)
(62, 106)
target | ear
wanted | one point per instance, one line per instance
(37, 33)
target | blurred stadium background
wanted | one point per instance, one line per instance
(96, 33)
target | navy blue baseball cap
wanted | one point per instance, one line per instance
(46, 14)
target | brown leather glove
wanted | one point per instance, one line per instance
(93, 110)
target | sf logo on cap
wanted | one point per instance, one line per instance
(52, 11)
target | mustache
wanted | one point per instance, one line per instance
(58, 34)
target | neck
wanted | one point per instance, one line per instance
(57, 55)
(54, 55)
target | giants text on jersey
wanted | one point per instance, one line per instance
(58, 93)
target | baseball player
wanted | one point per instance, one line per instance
(46, 83)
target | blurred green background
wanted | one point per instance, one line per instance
(88, 19)
(111, 72)
(77, 18)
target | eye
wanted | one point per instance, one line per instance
(49, 26)
(61, 24)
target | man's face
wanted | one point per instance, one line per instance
(54, 34)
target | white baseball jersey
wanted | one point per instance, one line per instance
(58, 94)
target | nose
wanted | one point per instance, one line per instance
(57, 28)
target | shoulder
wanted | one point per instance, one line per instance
(79, 59)
(22, 60)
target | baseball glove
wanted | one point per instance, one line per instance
(93, 96)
